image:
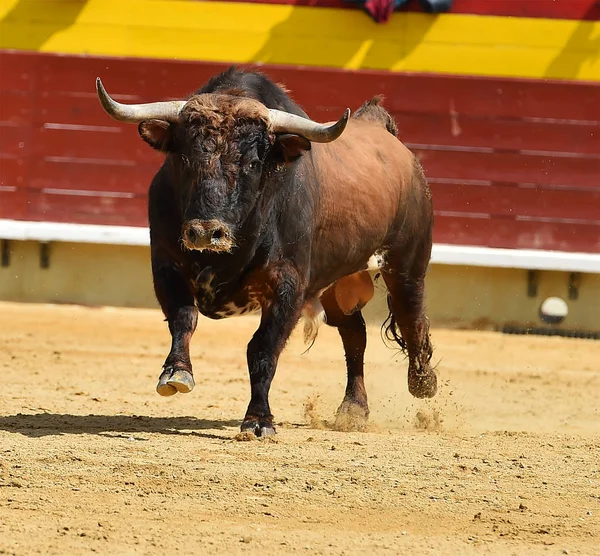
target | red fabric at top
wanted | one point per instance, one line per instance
(380, 10)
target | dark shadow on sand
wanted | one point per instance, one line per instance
(51, 424)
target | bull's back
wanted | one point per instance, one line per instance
(364, 180)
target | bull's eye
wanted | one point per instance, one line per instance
(185, 161)
(253, 165)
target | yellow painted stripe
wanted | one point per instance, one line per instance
(283, 34)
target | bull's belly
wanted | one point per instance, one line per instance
(351, 293)
(229, 306)
(232, 309)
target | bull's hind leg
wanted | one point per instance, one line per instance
(407, 323)
(353, 412)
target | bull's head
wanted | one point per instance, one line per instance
(220, 147)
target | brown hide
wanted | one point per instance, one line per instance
(364, 181)
(353, 292)
(346, 296)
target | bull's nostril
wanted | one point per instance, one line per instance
(218, 234)
(192, 235)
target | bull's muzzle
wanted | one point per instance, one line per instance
(207, 235)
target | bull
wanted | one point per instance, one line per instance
(257, 208)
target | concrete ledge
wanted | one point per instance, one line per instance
(527, 259)
(456, 295)
(461, 255)
(73, 233)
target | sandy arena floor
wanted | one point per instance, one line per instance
(505, 460)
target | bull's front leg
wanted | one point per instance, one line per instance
(178, 305)
(280, 315)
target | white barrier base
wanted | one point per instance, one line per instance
(461, 255)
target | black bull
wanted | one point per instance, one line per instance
(258, 208)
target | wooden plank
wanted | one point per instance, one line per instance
(516, 234)
(26, 204)
(18, 70)
(14, 140)
(15, 107)
(121, 144)
(513, 201)
(498, 133)
(325, 90)
(14, 171)
(444, 94)
(544, 170)
(13, 204)
(91, 175)
(117, 211)
(78, 174)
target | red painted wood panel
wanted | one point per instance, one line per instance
(19, 70)
(15, 106)
(556, 171)
(13, 140)
(115, 211)
(512, 201)
(475, 136)
(139, 80)
(12, 203)
(465, 130)
(122, 144)
(558, 9)
(445, 94)
(90, 174)
(136, 80)
(516, 234)
(26, 204)
(13, 171)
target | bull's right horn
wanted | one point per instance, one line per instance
(135, 113)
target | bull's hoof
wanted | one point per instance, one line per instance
(259, 426)
(422, 385)
(351, 416)
(173, 380)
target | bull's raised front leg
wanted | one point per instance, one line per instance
(178, 305)
(280, 315)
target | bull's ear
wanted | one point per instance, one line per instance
(157, 133)
(288, 147)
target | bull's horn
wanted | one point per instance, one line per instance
(284, 122)
(135, 113)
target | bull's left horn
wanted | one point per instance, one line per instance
(135, 113)
(284, 122)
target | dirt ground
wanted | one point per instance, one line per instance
(505, 460)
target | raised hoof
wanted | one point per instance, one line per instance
(351, 416)
(174, 380)
(260, 427)
(422, 385)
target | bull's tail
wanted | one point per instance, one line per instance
(373, 111)
(391, 331)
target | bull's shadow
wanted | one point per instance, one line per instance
(52, 424)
